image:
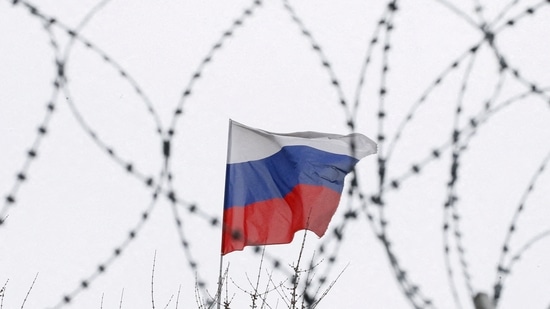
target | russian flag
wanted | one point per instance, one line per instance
(278, 184)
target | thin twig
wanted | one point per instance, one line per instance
(29, 291)
(198, 298)
(121, 297)
(227, 301)
(169, 301)
(329, 287)
(296, 268)
(153, 280)
(259, 274)
(282, 295)
(267, 290)
(2, 293)
(178, 298)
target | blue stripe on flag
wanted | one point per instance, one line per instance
(276, 175)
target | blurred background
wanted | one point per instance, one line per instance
(456, 94)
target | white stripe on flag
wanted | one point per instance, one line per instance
(249, 144)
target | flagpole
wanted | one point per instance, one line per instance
(220, 278)
(220, 283)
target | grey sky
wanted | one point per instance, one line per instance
(78, 204)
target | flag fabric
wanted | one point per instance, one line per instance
(278, 184)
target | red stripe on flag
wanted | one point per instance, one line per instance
(275, 221)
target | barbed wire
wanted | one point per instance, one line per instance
(359, 200)
(503, 268)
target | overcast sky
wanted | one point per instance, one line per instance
(77, 203)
